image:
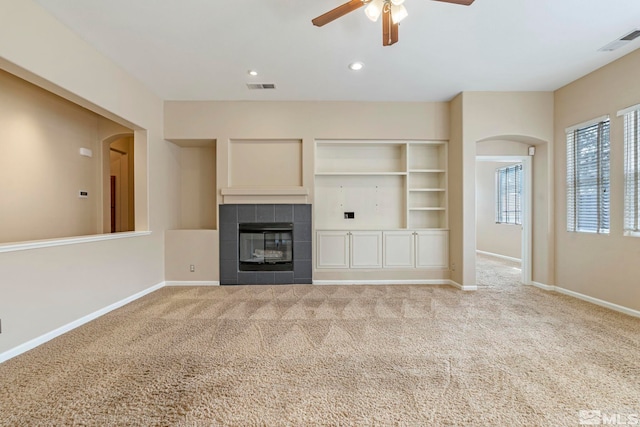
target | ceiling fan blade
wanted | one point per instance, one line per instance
(462, 2)
(389, 29)
(337, 12)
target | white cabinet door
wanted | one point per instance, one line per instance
(432, 249)
(332, 249)
(366, 249)
(398, 249)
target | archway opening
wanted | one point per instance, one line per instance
(119, 185)
(524, 239)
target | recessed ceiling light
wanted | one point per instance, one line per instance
(252, 72)
(356, 66)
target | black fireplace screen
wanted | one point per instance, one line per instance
(266, 247)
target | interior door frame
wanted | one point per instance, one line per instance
(527, 205)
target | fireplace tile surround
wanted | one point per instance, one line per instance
(231, 215)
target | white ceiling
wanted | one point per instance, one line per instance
(202, 49)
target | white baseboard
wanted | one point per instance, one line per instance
(543, 286)
(397, 282)
(29, 345)
(382, 282)
(601, 303)
(508, 258)
(192, 283)
(587, 298)
(463, 287)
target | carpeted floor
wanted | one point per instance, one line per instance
(506, 355)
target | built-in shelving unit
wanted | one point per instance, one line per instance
(427, 185)
(380, 206)
(386, 184)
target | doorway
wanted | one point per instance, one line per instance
(506, 236)
(120, 210)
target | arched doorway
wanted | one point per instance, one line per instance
(118, 184)
(533, 155)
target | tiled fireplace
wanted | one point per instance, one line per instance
(269, 233)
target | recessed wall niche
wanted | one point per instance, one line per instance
(197, 183)
(265, 163)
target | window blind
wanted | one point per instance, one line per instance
(631, 170)
(508, 195)
(588, 171)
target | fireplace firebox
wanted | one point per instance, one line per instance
(265, 246)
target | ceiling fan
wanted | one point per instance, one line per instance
(392, 11)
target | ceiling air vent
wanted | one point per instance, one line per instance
(616, 44)
(253, 86)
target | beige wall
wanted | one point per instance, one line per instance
(601, 266)
(265, 163)
(192, 247)
(500, 239)
(44, 289)
(198, 187)
(196, 242)
(456, 191)
(515, 116)
(41, 169)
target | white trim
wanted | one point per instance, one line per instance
(601, 303)
(192, 283)
(265, 191)
(508, 258)
(397, 282)
(382, 282)
(37, 244)
(543, 286)
(586, 124)
(587, 298)
(628, 110)
(463, 287)
(29, 345)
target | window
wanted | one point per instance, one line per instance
(588, 151)
(508, 195)
(631, 169)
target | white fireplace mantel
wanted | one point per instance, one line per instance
(264, 195)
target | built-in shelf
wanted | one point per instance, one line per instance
(361, 174)
(427, 185)
(387, 184)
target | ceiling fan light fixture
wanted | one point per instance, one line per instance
(374, 9)
(398, 13)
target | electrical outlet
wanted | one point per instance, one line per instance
(192, 268)
(453, 266)
(349, 215)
